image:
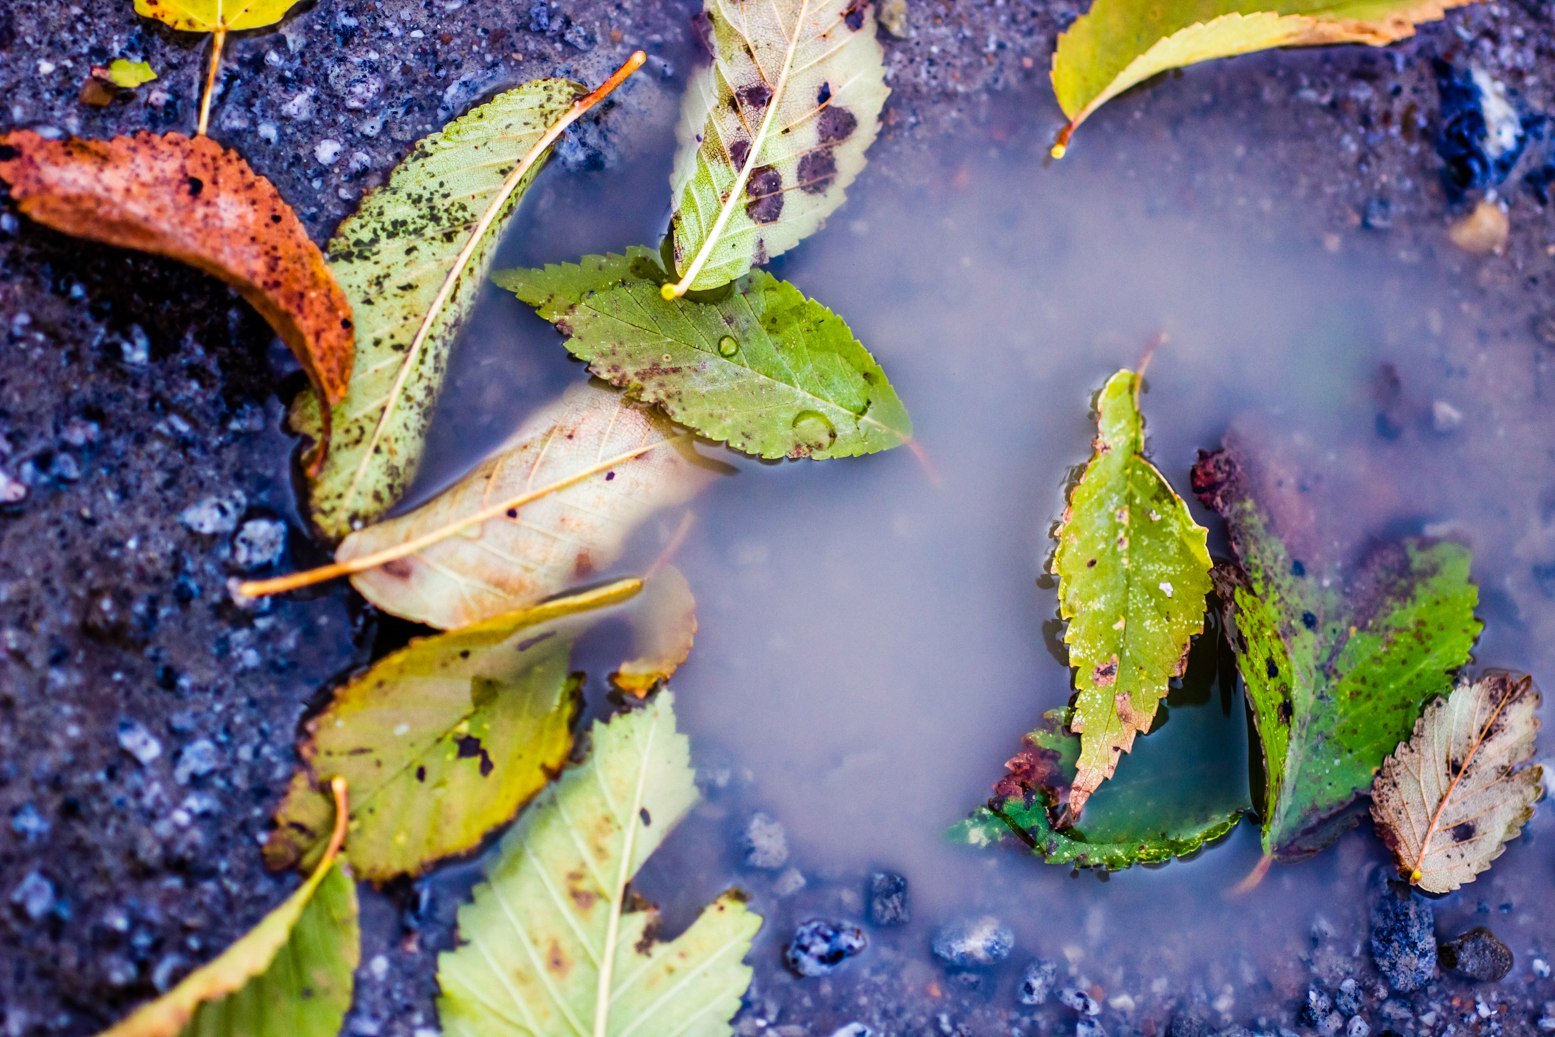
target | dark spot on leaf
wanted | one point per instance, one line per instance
(196, 185)
(757, 96)
(739, 151)
(823, 95)
(817, 171)
(470, 747)
(1464, 832)
(1105, 673)
(398, 568)
(1309, 620)
(853, 17)
(835, 124)
(765, 190)
(421, 773)
(7, 153)
(1284, 711)
(643, 813)
(1272, 670)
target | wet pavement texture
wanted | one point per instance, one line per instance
(146, 721)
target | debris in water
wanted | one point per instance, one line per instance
(819, 946)
(1483, 231)
(1477, 955)
(973, 943)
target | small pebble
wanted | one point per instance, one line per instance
(1358, 1027)
(1477, 955)
(887, 892)
(766, 845)
(33, 896)
(259, 543)
(853, 1030)
(973, 943)
(197, 760)
(790, 882)
(1036, 983)
(1088, 1027)
(1077, 1000)
(819, 946)
(1445, 417)
(214, 515)
(138, 742)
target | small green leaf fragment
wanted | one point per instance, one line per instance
(130, 74)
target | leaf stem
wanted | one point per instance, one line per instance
(472, 243)
(1253, 878)
(351, 566)
(219, 41)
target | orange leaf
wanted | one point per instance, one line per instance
(195, 201)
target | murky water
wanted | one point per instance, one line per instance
(872, 631)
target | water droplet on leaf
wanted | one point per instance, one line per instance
(814, 430)
(727, 346)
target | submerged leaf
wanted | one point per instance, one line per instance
(552, 506)
(772, 132)
(412, 258)
(290, 976)
(763, 368)
(197, 202)
(1449, 800)
(1133, 571)
(1121, 43)
(1336, 670)
(443, 741)
(556, 943)
(665, 624)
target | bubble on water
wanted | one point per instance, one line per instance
(814, 430)
(727, 346)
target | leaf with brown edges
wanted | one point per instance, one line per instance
(195, 201)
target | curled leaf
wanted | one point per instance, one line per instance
(412, 259)
(194, 201)
(443, 741)
(763, 368)
(1121, 43)
(289, 976)
(1133, 573)
(772, 132)
(665, 625)
(555, 943)
(1449, 800)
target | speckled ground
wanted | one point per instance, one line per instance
(145, 721)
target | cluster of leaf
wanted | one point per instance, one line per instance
(1335, 666)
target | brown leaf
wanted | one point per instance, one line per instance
(194, 201)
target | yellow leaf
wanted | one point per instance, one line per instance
(1118, 44)
(666, 627)
(215, 15)
(129, 74)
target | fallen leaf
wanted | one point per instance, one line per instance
(1336, 669)
(412, 259)
(290, 976)
(443, 741)
(128, 75)
(217, 17)
(1118, 44)
(194, 201)
(772, 132)
(556, 943)
(763, 369)
(1449, 800)
(1133, 574)
(551, 507)
(665, 625)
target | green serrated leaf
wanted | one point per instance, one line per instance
(1336, 669)
(1133, 570)
(554, 943)
(128, 75)
(289, 976)
(772, 132)
(412, 259)
(1118, 44)
(443, 741)
(763, 368)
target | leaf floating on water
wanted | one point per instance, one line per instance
(1118, 44)
(764, 369)
(1133, 570)
(412, 259)
(194, 201)
(555, 942)
(1449, 800)
(665, 625)
(772, 133)
(443, 741)
(290, 976)
(1336, 670)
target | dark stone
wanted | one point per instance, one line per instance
(1477, 955)
(1403, 938)
(887, 892)
(819, 946)
(973, 943)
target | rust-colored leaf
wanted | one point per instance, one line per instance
(195, 201)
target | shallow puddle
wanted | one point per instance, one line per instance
(873, 636)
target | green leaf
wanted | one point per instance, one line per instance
(1133, 571)
(412, 259)
(763, 369)
(1449, 800)
(130, 74)
(1336, 669)
(443, 741)
(1121, 43)
(215, 15)
(289, 976)
(556, 943)
(772, 132)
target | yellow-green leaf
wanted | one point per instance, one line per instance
(1121, 43)
(130, 74)
(443, 741)
(665, 625)
(1449, 800)
(772, 133)
(215, 15)
(290, 976)
(556, 944)
(1133, 574)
